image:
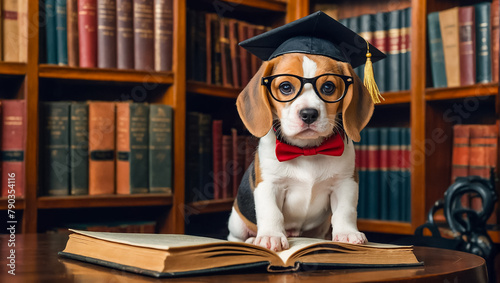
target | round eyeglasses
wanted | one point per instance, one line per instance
(330, 88)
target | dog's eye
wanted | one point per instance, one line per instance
(328, 88)
(286, 88)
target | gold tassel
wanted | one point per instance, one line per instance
(369, 79)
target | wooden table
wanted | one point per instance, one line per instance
(37, 261)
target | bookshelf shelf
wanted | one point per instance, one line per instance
(20, 204)
(210, 206)
(396, 97)
(272, 5)
(461, 92)
(12, 68)
(105, 201)
(212, 90)
(379, 226)
(110, 75)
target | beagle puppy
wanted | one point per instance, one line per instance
(301, 101)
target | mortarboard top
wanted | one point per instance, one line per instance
(317, 34)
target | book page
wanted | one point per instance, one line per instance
(155, 241)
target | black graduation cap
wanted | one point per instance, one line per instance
(317, 34)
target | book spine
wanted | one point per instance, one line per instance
(23, 30)
(217, 158)
(56, 148)
(363, 161)
(495, 39)
(201, 47)
(467, 45)
(365, 31)
(380, 34)
(373, 174)
(106, 33)
(448, 22)
(191, 47)
(79, 148)
(50, 31)
(385, 189)
(101, 148)
(205, 154)
(461, 152)
(160, 149)
(395, 178)
(123, 135)
(139, 143)
(244, 55)
(436, 50)
(483, 42)
(10, 26)
(163, 37)
(234, 52)
(227, 169)
(406, 49)
(238, 160)
(406, 175)
(208, 46)
(226, 65)
(393, 82)
(144, 35)
(192, 191)
(87, 33)
(216, 50)
(483, 142)
(72, 26)
(61, 32)
(13, 144)
(125, 34)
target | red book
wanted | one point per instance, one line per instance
(217, 158)
(164, 23)
(106, 33)
(13, 146)
(227, 169)
(144, 35)
(87, 33)
(467, 40)
(495, 38)
(238, 159)
(125, 34)
(461, 152)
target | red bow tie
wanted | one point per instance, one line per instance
(333, 146)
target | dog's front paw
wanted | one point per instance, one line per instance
(353, 237)
(273, 242)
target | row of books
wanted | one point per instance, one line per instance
(390, 33)
(464, 45)
(94, 148)
(124, 34)
(215, 162)
(14, 30)
(383, 164)
(118, 227)
(215, 57)
(475, 152)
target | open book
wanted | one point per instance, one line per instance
(161, 255)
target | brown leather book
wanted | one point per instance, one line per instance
(227, 169)
(246, 65)
(235, 52)
(461, 152)
(101, 148)
(87, 33)
(217, 157)
(467, 39)
(448, 21)
(125, 34)
(164, 26)
(208, 32)
(144, 35)
(225, 49)
(72, 29)
(495, 38)
(13, 146)
(106, 33)
(10, 30)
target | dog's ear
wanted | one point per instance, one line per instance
(253, 104)
(357, 105)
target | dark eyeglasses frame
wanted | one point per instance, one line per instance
(266, 81)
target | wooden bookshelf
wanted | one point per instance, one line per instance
(269, 5)
(396, 97)
(105, 201)
(19, 204)
(212, 90)
(210, 206)
(490, 89)
(12, 68)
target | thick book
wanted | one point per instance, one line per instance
(393, 60)
(13, 144)
(235, 52)
(406, 174)
(214, 40)
(144, 35)
(50, 31)
(436, 51)
(405, 50)
(61, 32)
(245, 57)
(23, 25)
(373, 189)
(168, 255)
(448, 22)
(56, 169)
(227, 169)
(101, 148)
(10, 30)
(163, 34)
(238, 165)
(460, 152)
(362, 175)
(72, 28)
(87, 33)
(217, 157)
(205, 154)
(125, 34)
(467, 45)
(106, 33)
(225, 47)
(132, 141)
(385, 189)
(483, 42)
(380, 41)
(79, 148)
(495, 39)
(394, 176)
(160, 148)
(192, 190)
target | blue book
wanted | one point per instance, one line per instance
(405, 63)
(396, 182)
(406, 175)
(61, 32)
(384, 173)
(50, 31)
(373, 174)
(360, 158)
(436, 51)
(483, 42)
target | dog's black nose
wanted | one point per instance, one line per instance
(309, 115)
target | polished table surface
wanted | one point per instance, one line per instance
(36, 260)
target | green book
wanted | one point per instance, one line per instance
(79, 149)
(483, 42)
(393, 81)
(380, 35)
(405, 64)
(436, 51)
(50, 31)
(406, 175)
(56, 154)
(61, 32)
(160, 148)
(395, 180)
(373, 174)
(384, 172)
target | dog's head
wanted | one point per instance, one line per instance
(307, 112)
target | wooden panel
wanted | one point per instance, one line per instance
(461, 92)
(210, 206)
(104, 201)
(378, 226)
(111, 75)
(212, 90)
(18, 205)
(10, 68)
(396, 97)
